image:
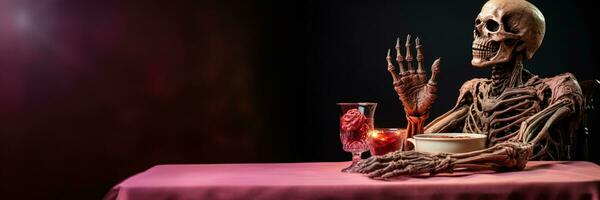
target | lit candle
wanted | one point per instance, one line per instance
(385, 140)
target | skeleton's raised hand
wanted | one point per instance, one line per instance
(416, 92)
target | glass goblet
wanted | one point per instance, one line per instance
(355, 124)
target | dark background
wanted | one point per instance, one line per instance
(92, 92)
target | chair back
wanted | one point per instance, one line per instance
(585, 136)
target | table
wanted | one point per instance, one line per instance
(539, 180)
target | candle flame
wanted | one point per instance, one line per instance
(374, 133)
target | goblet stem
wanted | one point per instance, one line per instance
(355, 158)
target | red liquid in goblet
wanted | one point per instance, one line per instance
(383, 141)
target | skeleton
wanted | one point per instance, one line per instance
(524, 117)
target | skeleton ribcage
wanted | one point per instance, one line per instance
(500, 117)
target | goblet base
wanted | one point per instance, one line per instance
(352, 168)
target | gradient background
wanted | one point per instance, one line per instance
(92, 92)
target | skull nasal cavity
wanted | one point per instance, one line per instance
(491, 25)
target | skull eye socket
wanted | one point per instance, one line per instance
(492, 25)
(508, 27)
(477, 22)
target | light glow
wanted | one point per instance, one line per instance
(22, 20)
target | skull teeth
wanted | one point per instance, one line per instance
(485, 49)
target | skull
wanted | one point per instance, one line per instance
(505, 28)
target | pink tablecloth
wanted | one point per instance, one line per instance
(540, 180)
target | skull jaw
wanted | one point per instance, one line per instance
(503, 55)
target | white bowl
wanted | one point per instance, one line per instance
(448, 142)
